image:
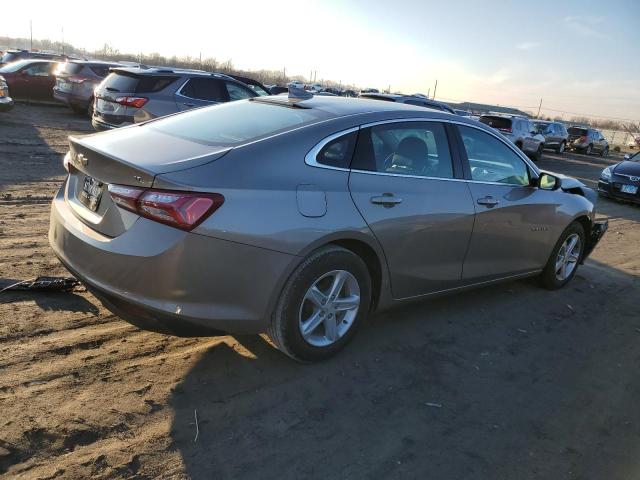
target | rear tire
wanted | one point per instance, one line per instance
(560, 149)
(605, 152)
(298, 305)
(78, 109)
(552, 276)
(588, 150)
(538, 155)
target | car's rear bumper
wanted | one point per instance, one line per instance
(71, 99)
(101, 126)
(6, 104)
(164, 279)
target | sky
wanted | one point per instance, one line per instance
(578, 57)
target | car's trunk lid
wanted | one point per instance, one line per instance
(135, 156)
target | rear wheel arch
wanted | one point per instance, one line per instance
(371, 259)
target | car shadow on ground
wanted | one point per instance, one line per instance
(51, 301)
(508, 381)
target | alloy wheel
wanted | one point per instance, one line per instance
(568, 256)
(329, 308)
(561, 149)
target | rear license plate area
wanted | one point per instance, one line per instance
(91, 193)
(629, 189)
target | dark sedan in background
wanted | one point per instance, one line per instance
(622, 180)
(31, 79)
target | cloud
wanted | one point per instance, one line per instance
(587, 25)
(528, 45)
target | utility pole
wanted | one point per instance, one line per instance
(429, 92)
(539, 107)
(434, 90)
(63, 40)
(31, 34)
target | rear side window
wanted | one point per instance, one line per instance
(153, 84)
(412, 148)
(338, 152)
(208, 89)
(235, 123)
(499, 123)
(491, 160)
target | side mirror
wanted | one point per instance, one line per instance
(627, 156)
(548, 182)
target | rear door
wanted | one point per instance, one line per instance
(200, 92)
(514, 221)
(39, 80)
(404, 183)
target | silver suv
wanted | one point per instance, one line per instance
(520, 130)
(136, 94)
(587, 140)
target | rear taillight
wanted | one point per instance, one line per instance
(184, 210)
(77, 79)
(137, 102)
(508, 130)
(583, 139)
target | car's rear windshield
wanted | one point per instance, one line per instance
(235, 123)
(501, 123)
(126, 83)
(15, 66)
(577, 131)
(69, 68)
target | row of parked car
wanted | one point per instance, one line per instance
(116, 94)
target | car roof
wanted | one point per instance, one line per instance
(343, 106)
(92, 62)
(184, 72)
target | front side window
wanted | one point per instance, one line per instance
(491, 160)
(338, 152)
(39, 70)
(411, 148)
(237, 92)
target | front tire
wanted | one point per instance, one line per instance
(605, 152)
(565, 258)
(322, 305)
(588, 150)
(560, 149)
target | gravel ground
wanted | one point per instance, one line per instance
(505, 382)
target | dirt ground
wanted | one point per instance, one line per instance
(505, 382)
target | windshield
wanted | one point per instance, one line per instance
(15, 66)
(542, 127)
(9, 57)
(235, 123)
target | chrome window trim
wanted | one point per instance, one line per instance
(310, 158)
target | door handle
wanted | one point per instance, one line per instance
(488, 201)
(189, 104)
(386, 199)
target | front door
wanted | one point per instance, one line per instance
(514, 223)
(403, 183)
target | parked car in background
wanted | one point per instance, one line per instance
(296, 84)
(634, 142)
(370, 90)
(587, 140)
(6, 102)
(410, 100)
(349, 93)
(254, 85)
(256, 216)
(30, 79)
(462, 113)
(622, 180)
(76, 80)
(15, 55)
(136, 94)
(555, 134)
(278, 89)
(520, 130)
